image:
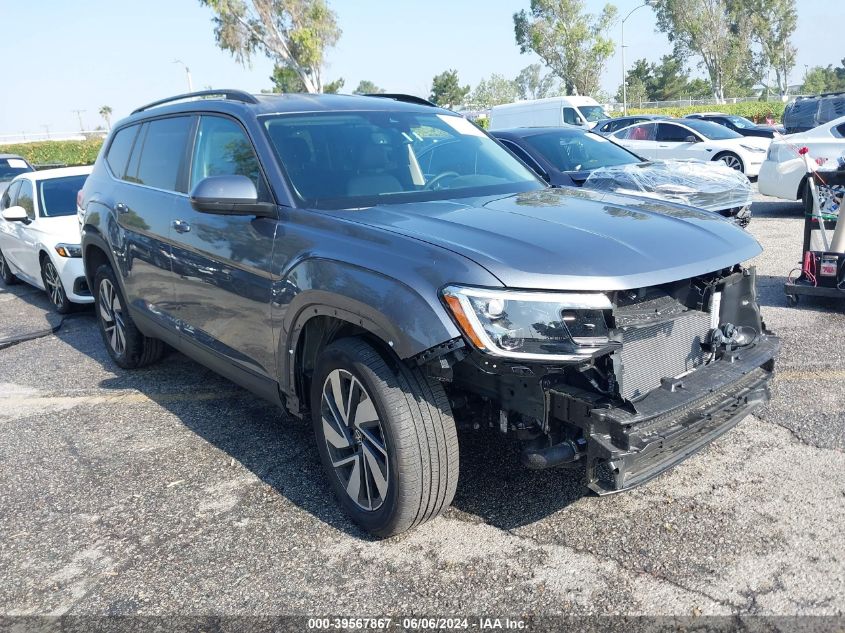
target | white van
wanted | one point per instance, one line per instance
(552, 111)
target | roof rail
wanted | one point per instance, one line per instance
(397, 96)
(233, 95)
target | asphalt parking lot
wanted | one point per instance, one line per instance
(171, 491)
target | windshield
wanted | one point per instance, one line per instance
(579, 152)
(337, 160)
(58, 195)
(593, 112)
(741, 122)
(712, 131)
(11, 167)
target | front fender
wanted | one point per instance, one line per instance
(407, 320)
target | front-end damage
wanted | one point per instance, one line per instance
(650, 378)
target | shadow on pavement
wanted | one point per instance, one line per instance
(280, 450)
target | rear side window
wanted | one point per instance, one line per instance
(161, 154)
(121, 145)
(672, 133)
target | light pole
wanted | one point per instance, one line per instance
(187, 72)
(647, 3)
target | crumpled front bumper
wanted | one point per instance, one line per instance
(626, 448)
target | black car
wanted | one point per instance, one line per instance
(326, 253)
(609, 126)
(805, 113)
(12, 165)
(739, 124)
(567, 157)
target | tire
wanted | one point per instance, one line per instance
(53, 286)
(127, 346)
(406, 460)
(731, 160)
(6, 274)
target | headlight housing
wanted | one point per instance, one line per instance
(545, 326)
(69, 250)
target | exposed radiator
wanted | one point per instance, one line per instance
(660, 350)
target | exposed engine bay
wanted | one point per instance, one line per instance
(651, 379)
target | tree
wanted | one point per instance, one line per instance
(772, 24)
(698, 89)
(105, 112)
(531, 83)
(574, 44)
(494, 91)
(366, 87)
(712, 30)
(286, 79)
(824, 79)
(333, 87)
(446, 90)
(670, 80)
(293, 33)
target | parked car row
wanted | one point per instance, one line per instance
(392, 272)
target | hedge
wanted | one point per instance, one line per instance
(748, 109)
(70, 153)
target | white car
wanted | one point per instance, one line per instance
(693, 138)
(39, 235)
(783, 174)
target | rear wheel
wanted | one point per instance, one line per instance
(731, 160)
(6, 274)
(53, 286)
(127, 346)
(386, 438)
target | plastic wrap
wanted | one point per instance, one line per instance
(711, 186)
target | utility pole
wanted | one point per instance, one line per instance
(187, 73)
(647, 3)
(47, 129)
(79, 116)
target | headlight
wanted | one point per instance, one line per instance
(528, 325)
(69, 250)
(751, 148)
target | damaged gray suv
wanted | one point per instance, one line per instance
(388, 269)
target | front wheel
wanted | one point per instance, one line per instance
(386, 437)
(732, 160)
(127, 346)
(53, 286)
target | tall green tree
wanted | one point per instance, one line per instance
(367, 87)
(713, 31)
(293, 33)
(574, 44)
(446, 89)
(333, 87)
(286, 79)
(824, 79)
(494, 90)
(670, 80)
(533, 83)
(772, 24)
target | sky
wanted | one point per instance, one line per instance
(83, 55)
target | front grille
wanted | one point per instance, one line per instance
(660, 350)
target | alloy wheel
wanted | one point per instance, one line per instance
(111, 316)
(54, 284)
(733, 162)
(355, 439)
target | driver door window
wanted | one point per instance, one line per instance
(26, 199)
(9, 196)
(570, 116)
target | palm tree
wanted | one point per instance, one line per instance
(105, 112)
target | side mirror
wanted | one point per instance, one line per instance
(691, 139)
(15, 214)
(229, 195)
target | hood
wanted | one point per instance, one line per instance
(571, 239)
(64, 228)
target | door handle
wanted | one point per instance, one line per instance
(180, 226)
(121, 208)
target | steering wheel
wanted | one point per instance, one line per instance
(430, 185)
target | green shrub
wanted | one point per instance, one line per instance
(748, 109)
(70, 153)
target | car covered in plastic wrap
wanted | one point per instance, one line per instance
(572, 157)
